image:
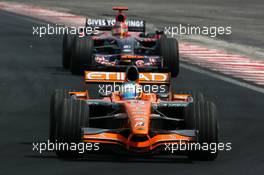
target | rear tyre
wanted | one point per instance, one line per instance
(82, 54)
(67, 45)
(202, 116)
(169, 50)
(75, 115)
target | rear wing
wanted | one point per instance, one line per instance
(120, 77)
(134, 25)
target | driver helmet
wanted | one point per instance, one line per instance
(120, 29)
(129, 90)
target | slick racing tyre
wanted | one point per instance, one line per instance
(56, 102)
(74, 116)
(82, 54)
(67, 45)
(168, 48)
(202, 116)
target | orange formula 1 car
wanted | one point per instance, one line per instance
(132, 120)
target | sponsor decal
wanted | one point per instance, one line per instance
(140, 124)
(132, 56)
(138, 113)
(111, 22)
(139, 118)
(91, 76)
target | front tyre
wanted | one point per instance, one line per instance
(202, 116)
(75, 115)
(56, 103)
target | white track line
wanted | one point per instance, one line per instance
(223, 78)
(235, 65)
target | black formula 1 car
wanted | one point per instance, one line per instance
(117, 43)
(132, 121)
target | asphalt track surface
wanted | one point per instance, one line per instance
(30, 69)
(244, 16)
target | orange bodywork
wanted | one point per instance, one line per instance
(152, 143)
(138, 114)
(139, 118)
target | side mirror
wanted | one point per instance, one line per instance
(159, 32)
(105, 94)
(163, 95)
